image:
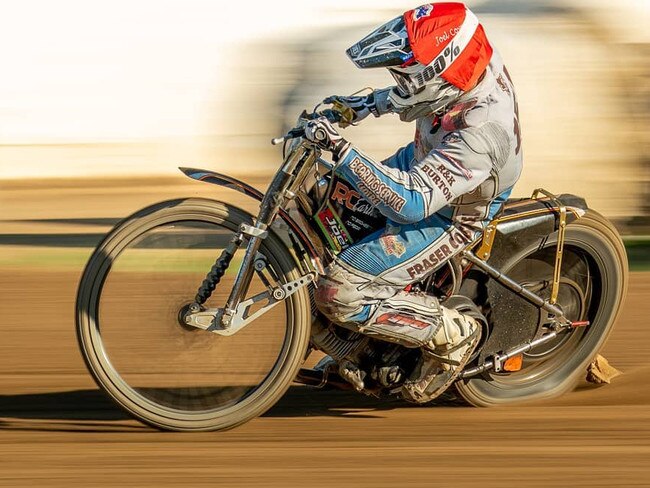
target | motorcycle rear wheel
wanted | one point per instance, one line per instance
(162, 372)
(593, 287)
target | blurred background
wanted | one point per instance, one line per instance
(127, 89)
(100, 102)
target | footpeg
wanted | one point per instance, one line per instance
(351, 373)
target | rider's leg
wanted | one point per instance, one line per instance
(372, 274)
(364, 290)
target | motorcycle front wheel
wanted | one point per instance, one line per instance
(167, 374)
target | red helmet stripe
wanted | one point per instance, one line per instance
(429, 35)
(471, 62)
(431, 29)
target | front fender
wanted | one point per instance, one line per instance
(299, 236)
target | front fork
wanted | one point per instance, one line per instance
(273, 200)
(220, 320)
(256, 234)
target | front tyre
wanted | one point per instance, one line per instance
(593, 286)
(169, 375)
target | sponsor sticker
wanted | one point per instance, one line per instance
(422, 12)
(333, 229)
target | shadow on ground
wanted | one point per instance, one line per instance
(93, 405)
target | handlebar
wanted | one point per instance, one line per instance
(331, 115)
(292, 134)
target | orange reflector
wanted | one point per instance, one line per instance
(514, 363)
(584, 323)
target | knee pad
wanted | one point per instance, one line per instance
(337, 300)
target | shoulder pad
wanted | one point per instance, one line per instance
(488, 138)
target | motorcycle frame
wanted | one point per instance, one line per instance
(287, 183)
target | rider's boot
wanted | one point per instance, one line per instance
(447, 336)
(446, 354)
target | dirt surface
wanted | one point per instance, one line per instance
(57, 429)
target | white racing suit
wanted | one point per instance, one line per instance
(437, 193)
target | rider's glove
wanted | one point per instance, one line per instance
(356, 108)
(353, 109)
(321, 132)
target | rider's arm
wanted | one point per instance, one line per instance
(458, 165)
(381, 104)
(402, 159)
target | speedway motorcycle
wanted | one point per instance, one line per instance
(194, 314)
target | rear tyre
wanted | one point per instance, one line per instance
(593, 287)
(162, 372)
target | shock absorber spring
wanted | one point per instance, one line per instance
(217, 271)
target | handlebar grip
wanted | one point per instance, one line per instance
(292, 134)
(278, 140)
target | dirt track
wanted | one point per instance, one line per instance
(56, 429)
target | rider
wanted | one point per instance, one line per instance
(437, 192)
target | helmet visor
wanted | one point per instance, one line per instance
(386, 46)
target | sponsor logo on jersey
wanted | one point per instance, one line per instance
(442, 178)
(392, 246)
(455, 119)
(374, 189)
(344, 195)
(454, 242)
(422, 12)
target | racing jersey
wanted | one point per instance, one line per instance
(463, 158)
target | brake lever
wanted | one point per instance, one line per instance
(292, 134)
(334, 116)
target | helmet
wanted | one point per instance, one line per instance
(435, 52)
